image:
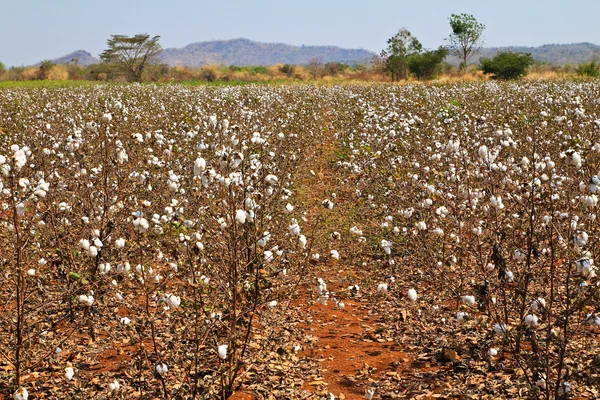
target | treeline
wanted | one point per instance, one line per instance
(417, 69)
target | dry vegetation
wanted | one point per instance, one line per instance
(298, 242)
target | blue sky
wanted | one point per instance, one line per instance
(35, 30)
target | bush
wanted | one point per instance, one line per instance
(427, 65)
(507, 65)
(590, 69)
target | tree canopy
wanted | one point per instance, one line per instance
(131, 54)
(466, 38)
(400, 47)
(507, 65)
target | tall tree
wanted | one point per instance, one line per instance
(131, 54)
(466, 38)
(400, 47)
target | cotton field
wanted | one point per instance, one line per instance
(170, 242)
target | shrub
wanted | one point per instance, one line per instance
(427, 65)
(507, 65)
(589, 69)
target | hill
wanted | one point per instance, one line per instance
(80, 57)
(558, 54)
(247, 52)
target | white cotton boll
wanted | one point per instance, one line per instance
(69, 373)
(531, 320)
(294, 228)
(268, 255)
(591, 201)
(500, 329)
(492, 352)
(386, 245)
(92, 251)
(288, 208)
(199, 166)
(172, 300)
(272, 303)
(468, 300)
(382, 288)
(222, 351)
(461, 316)
(538, 304)
(421, 225)
(271, 180)
(42, 262)
(576, 159)
(104, 268)
(412, 295)
(369, 393)
(519, 255)
(162, 369)
(334, 254)
(20, 209)
(240, 216)
(483, 153)
(356, 231)
(141, 225)
(125, 321)
(114, 385)
(438, 231)
(21, 394)
(302, 240)
(328, 204)
(31, 272)
(86, 300)
(120, 243)
(509, 275)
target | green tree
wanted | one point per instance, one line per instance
(132, 54)
(466, 38)
(589, 69)
(2, 67)
(400, 47)
(507, 65)
(428, 64)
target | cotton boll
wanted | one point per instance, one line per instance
(412, 295)
(461, 316)
(382, 288)
(369, 393)
(302, 240)
(69, 373)
(500, 329)
(272, 303)
(519, 255)
(114, 385)
(172, 300)
(31, 272)
(125, 321)
(222, 351)
(120, 243)
(240, 216)
(468, 300)
(531, 320)
(538, 304)
(288, 208)
(492, 352)
(21, 394)
(334, 254)
(161, 369)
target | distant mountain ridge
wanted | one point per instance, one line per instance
(79, 57)
(559, 54)
(243, 52)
